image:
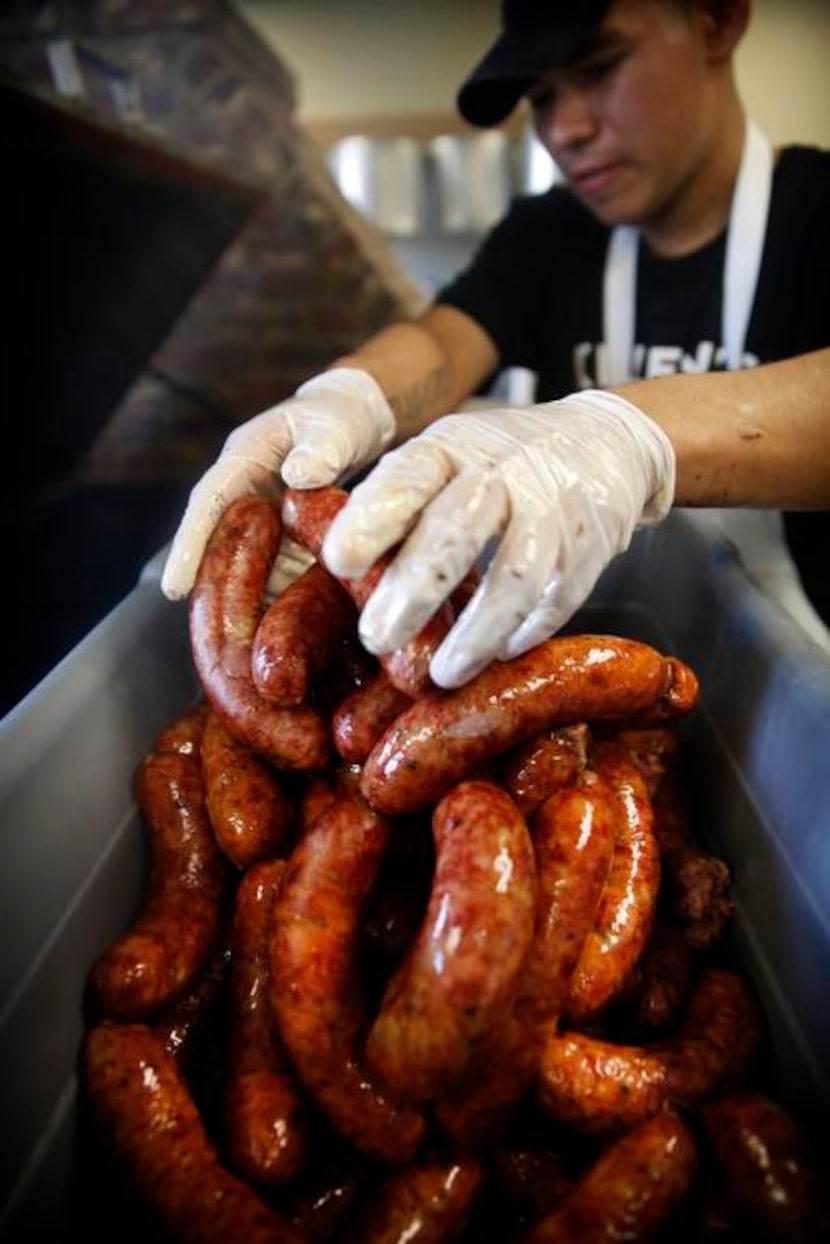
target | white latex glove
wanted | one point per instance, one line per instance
(336, 424)
(560, 486)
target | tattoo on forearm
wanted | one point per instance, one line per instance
(420, 398)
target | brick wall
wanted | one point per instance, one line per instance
(305, 280)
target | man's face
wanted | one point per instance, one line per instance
(628, 122)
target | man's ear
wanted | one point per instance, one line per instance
(724, 23)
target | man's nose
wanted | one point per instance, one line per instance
(566, 121)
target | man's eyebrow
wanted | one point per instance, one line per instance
(608, 39)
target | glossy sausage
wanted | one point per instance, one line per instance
(631, 1190)
(458, 978)
(248, 809)
(601, 1087)
(360, 720)
(315, 991)
(147, 1117)
(569, 679)
(427, 1203)
(298, 634)
(534, 770)
(191, 1019)
(265, 1115)
(772, 1169)
(625, 914)
(308, 514)
(166, 946)
(225, 609)
(573, 841)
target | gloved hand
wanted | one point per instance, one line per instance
(559, 487)
(336, 423)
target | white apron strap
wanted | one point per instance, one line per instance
(745, 243)
(744, 251)
(619, 291)
(758, 535)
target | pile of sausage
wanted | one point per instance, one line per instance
(423, 965)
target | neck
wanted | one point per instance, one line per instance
(699, 210)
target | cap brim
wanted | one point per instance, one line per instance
(515, 62)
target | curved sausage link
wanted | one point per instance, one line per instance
(297, 635)
(248, 809)
(444, 736)
(534, 770)
(427, 1202)
(185, 733)
(225, 609)
(360, 720)
(163, 951)
(314, 988)
(573, 840)
(771, 1168)
(190, 1020)
(630, 1191)
(458, 978)
(308, 514)
(601, 1087)
(145, 1113)
(625, 914)
(265, 1115)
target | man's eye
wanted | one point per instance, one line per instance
(599, 69)
(540, 97)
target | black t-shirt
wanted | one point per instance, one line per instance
(535, 286)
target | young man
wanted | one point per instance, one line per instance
(680, 244)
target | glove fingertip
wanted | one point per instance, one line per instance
(176, 579)
(302, 469)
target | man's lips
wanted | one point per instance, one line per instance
(594, 178)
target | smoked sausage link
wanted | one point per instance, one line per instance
(428, 1201)
(163, 951)
(772, 1170)
(625, 914)
(601, 1087)
(248, 810)
(226, 606)
(573, 841)
(308, 514)
(458, 978)
(265, 1114)
(630, 1191)
(147, 1116)
(297, 635)
(446, 735)
(315, 991)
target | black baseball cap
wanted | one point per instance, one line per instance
(537, 35)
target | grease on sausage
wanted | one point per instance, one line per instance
(457, 979)
(225, 608)
(444, 736)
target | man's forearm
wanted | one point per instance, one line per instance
(426, 367)
(758, 437)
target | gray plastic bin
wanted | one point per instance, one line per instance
(73, 852)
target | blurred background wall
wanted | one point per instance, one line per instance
(358, 58)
